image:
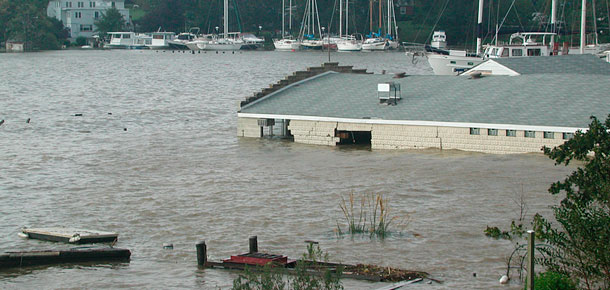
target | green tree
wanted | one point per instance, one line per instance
(111, 20)
(580, 240)
(26, 20)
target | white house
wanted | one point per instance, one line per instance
(80, 16)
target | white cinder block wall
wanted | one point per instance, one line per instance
(411, 137)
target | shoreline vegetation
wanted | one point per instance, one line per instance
(26, 20)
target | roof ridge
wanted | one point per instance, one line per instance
(301, 76)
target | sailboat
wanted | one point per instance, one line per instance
(310, 27)
(376, 41)
(286, 43)
(347, 42)
(225, 41)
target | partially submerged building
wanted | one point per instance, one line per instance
(332, 105)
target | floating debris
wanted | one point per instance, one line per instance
(78, 115)
(70, 235)
(168, 246)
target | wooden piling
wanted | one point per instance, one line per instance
(530, 260)
(253, 244)
(202, 255)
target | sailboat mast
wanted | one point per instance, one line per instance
(371, 16)
(553, 21)
(290, 17)
(340, 17)
(480, 27)
(283, 16)
(226, 18)
(389, 22)
(380, 17)
(347, 17)
(583, 26)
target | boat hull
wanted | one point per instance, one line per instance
(283, 45)
(451, 64)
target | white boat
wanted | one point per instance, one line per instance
(226, 40)
(377, 43)
(160, 40)
(310, 33)
(126, 40)
(287, 44)
(222, 43)
(180, 41)
(251, 41)
(524, 44)
(520, 45)
(347, 42)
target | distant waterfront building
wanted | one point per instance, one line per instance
(333, 105)
(80, 16)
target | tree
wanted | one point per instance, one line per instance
(111, 20)
(580, 241)
(25, 20)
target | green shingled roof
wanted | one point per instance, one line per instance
(566, 64)
(557, 100)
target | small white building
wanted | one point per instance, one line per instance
(499, 114)
(80, 16)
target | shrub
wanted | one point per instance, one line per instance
(553, 281)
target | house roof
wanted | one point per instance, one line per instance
(552, 100)
(565, 64)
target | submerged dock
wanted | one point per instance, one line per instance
(75, 255)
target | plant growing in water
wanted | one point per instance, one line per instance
(374, 208)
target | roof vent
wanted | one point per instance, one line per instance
(388, 93)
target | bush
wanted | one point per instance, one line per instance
(81, 40)
(553, 281)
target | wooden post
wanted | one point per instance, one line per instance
(202, 255)
(530, 261)
(253, 244)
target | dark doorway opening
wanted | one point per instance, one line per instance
(354, 137)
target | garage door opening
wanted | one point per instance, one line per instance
(354, 138)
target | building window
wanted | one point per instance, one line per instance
(96, 15)
(475, 131)
(81, 4)
(492, 132)
(549, 135)
(84, 27)
(517, 52)
(69, 4)
(77, 15)
(113, 4)
(567, 136)
(530, 134)
(511, 133)
(533, 52)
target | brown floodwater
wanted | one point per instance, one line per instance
(154, 157)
